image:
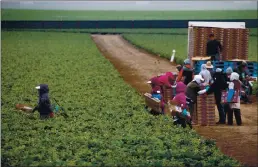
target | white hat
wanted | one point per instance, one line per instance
(218, 70)
(198, 79)
(37, 87)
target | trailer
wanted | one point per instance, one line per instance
(233, 37)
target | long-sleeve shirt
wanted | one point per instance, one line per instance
(213, 47)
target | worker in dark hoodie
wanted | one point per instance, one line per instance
(44, 104)
(219, 84)
(186, 72)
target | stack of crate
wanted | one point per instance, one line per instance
(206, 110)
(234, 42)
(244, 34)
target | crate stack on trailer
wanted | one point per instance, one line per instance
(234, 39)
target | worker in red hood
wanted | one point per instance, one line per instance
(155, 87)
(182, 116)
(167, 80)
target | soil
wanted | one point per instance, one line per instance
(136, 66)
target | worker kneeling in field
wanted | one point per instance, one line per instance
(44, 104)
(155, 88)
(191, 93)
(182, 116)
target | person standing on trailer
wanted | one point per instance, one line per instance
(186, 72)
(214, 48)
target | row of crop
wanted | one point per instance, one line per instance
(107, 125)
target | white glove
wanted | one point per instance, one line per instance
(158, 91)
(202, 92)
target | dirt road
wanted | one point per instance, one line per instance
(137, 66)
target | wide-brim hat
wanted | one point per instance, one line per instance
(209, 65)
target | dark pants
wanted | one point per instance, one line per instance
(221, 111)
(214, 57)
(237, 116)
(226, 108)
(248, 92)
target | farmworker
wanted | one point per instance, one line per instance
(191, 93)
(156, 88)
(167, 79)
(182, 116)
(234, 85)
(206, 75)
(216, 87)
(214, 48)
(186, 72)
(242, 71)
(209, 67)
(44, 105)
(226, 106)
(229, 71)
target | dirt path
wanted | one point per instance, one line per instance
(137, 66)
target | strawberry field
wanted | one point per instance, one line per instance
(107, 123)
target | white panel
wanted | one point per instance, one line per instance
(240, 25)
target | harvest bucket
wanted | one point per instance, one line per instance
(24, 107)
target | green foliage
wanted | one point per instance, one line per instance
(164, 44)
(255, 88)
(107, 124)
(14, 14)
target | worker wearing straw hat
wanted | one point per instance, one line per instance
(209, 67)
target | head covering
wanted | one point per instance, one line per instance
(43, 88)
(229, 70)
(203, 67)
(180, 87)
(218, 70)
(244, 62)
(179, 67)
(171, 77)
(198, 79)
(234, 76)
(187, 61)
(209, 65)
(206, 75)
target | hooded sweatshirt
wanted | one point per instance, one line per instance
(186, 72)
(180, 97)
(206, 75)
(44, 105)
(155, 85)
(193, 88)
(166, 79)
(235, 85)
